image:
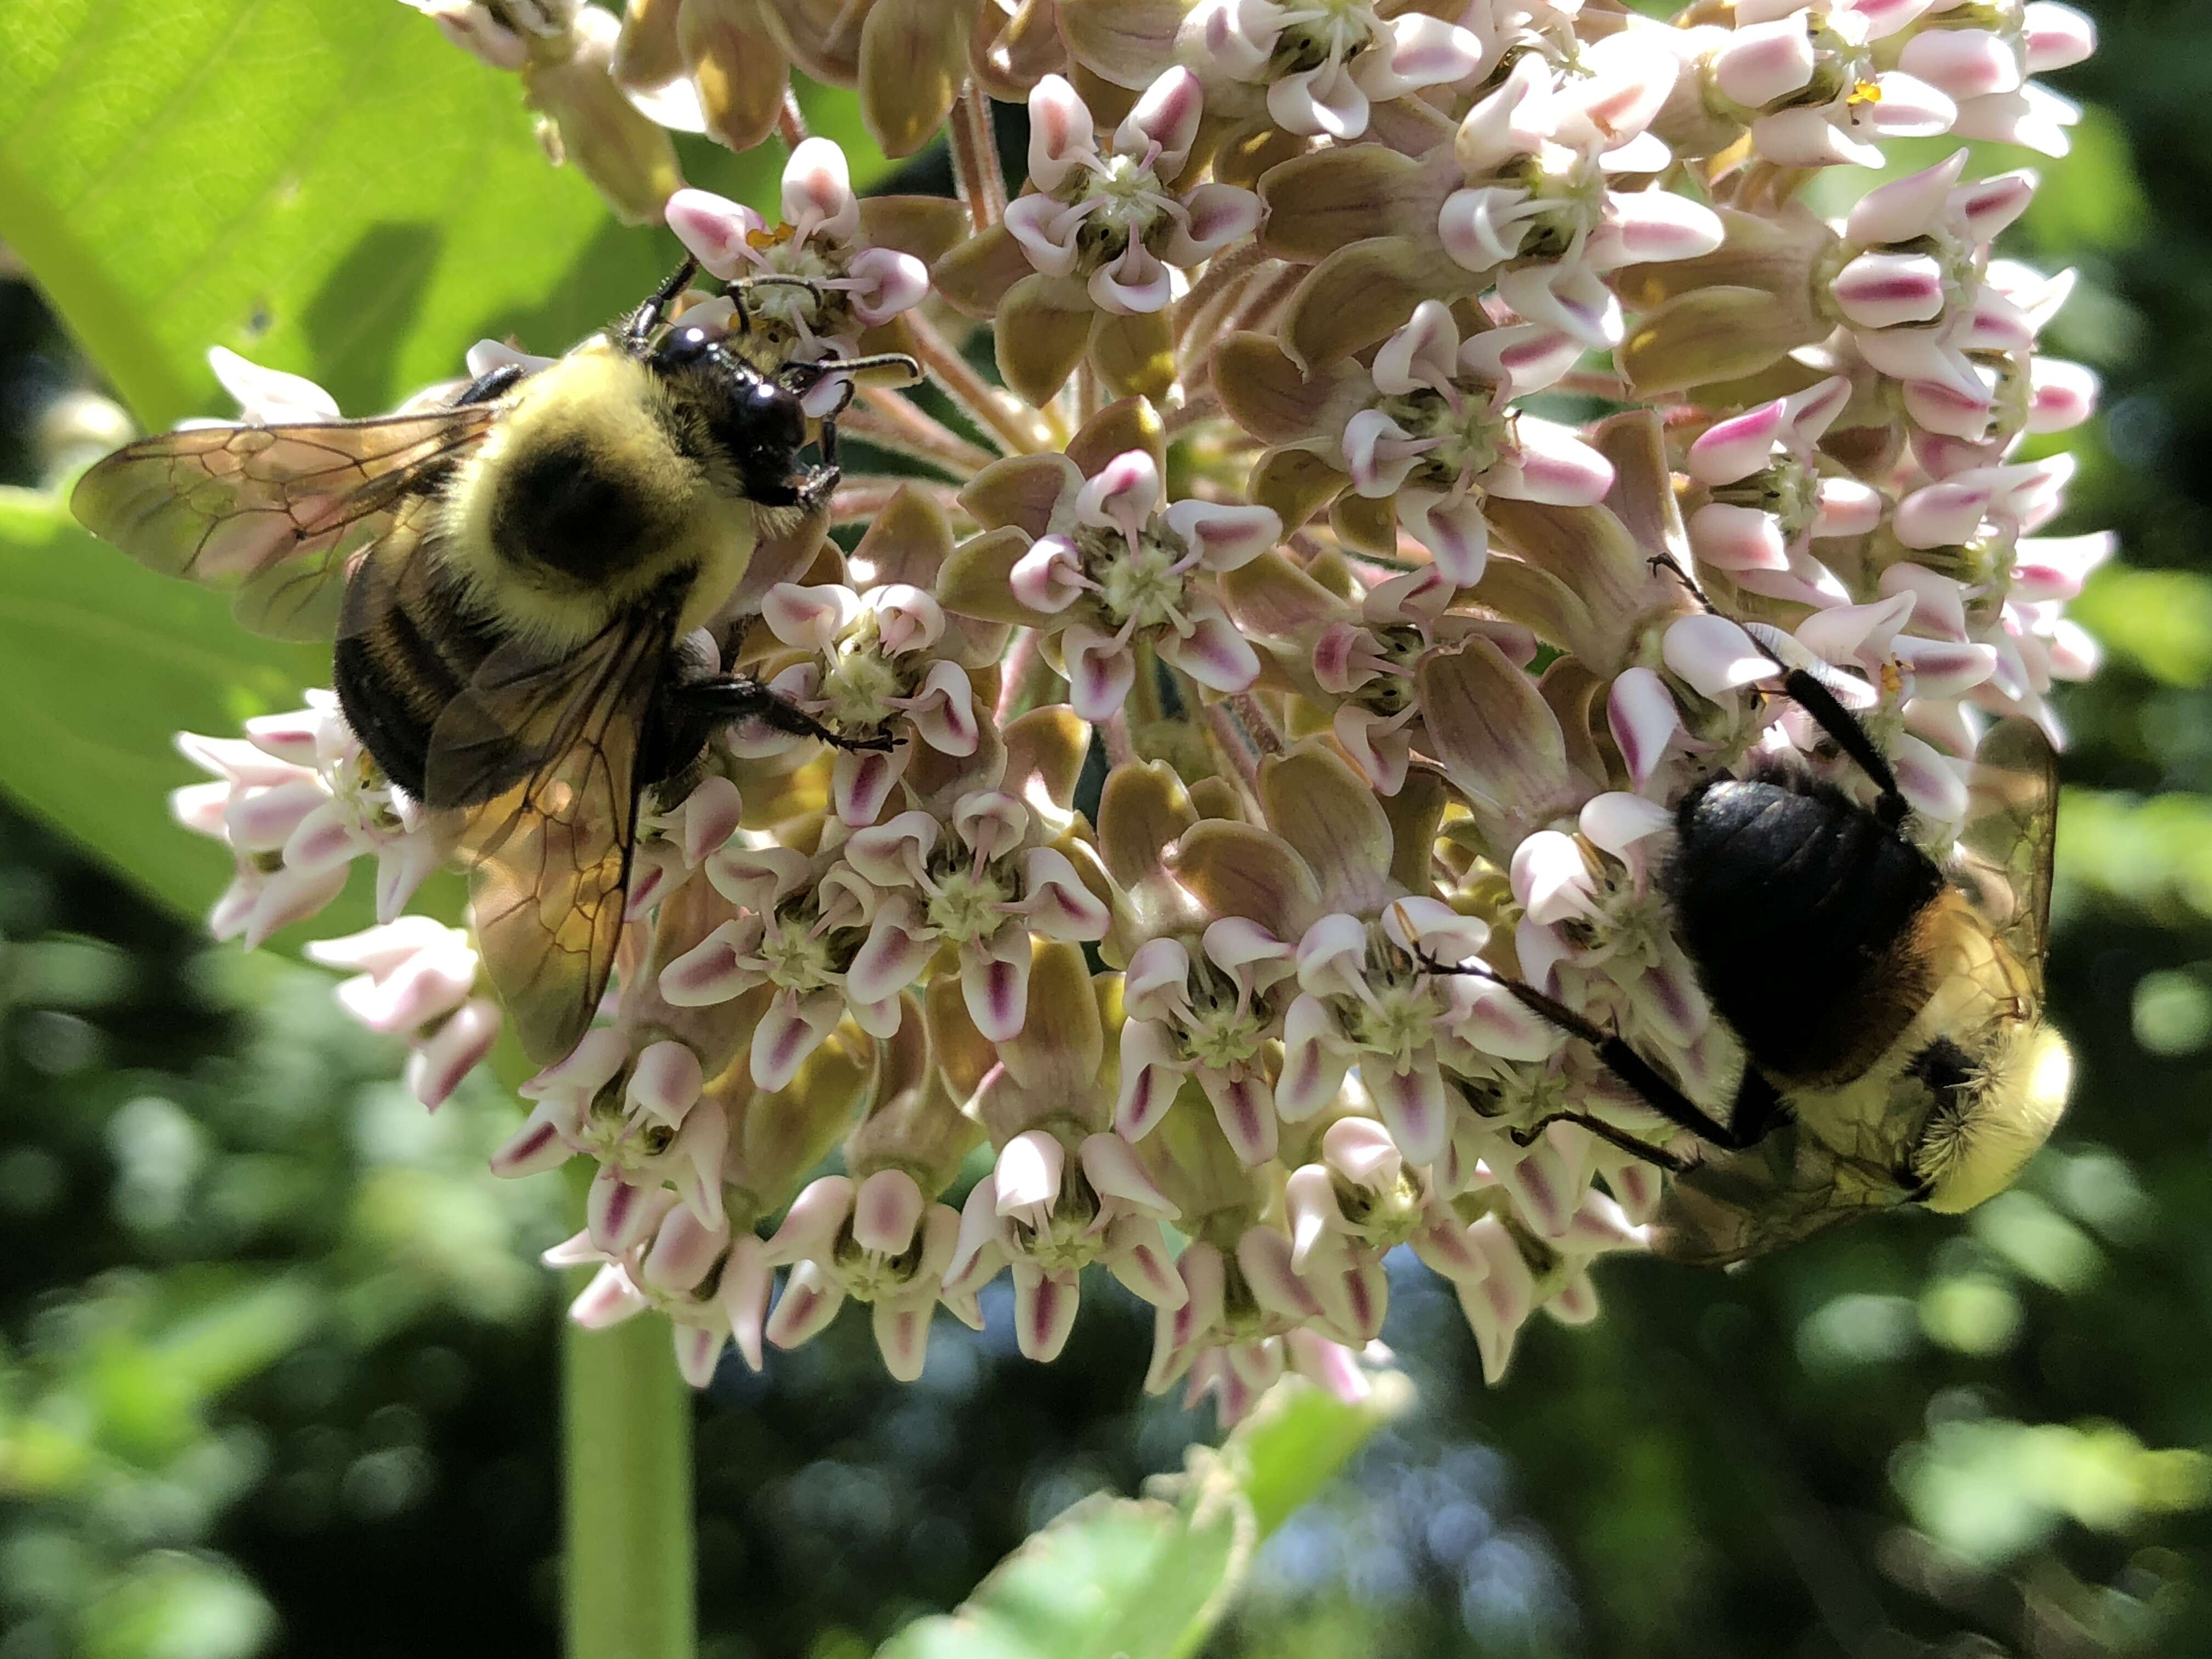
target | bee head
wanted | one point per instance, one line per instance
(758, 420)
(1993, 1107)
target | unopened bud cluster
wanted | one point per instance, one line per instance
(1387, 667)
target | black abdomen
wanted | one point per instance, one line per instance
(1793, 901)
(409, 645)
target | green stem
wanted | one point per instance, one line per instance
(628, 1546)
(627, 1431)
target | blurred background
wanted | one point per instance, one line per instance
(278, 1368)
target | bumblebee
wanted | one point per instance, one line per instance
(1889, 1009)
(513, 580)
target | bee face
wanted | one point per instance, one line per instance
(754, 423)
(1990, 1114)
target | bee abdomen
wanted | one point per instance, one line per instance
(1795, 904)
(407, 648)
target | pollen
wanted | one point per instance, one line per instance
(967, 904)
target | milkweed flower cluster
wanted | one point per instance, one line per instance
(1307, 600)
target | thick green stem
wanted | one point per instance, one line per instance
(627, 1435)
(629, 1545)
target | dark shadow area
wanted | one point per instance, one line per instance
(358, 318)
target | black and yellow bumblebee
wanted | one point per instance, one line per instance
(513, 580)
(1889, 1009)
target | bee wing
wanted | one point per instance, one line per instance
(2005, 852)
(276, 512)
(1735, 1205)
(542, 757)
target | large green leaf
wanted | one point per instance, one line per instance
(1148, 1577)
(325, 186)
(331, 188)
(101, 663)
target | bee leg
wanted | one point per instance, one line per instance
(818, 483)
(734, 697)
(1749, 1119)
(1800, 686)
(1659, 562)
(492, 383)
(1842, 727)
(1612, 1137)
(1744, 1128)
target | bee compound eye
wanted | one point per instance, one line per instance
(685, 345)
(774, 416)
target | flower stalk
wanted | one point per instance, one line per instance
(630, 1566)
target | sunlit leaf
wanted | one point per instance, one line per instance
(1148, 1578)
(101, 663)
(2161, 621)
(331, 188)
(2094, 197)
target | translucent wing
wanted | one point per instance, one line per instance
(541, 756)
(1735, 1205)
(274, 512)
(2005, 852)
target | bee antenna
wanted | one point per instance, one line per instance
(781, 279)
(650, 315)
(817, 370)
(736, 286)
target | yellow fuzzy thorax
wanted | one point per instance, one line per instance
(607, 403)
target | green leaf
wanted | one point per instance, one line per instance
(1294, 1445)
(2094, 197)
(332, 189)
(1112, 1578)
(2150, 855)
(102, 662)
(1148, 1577)
(2159, 620)
(327, 188)
(170, 1605)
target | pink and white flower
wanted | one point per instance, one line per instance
(814, 277)
(801, 922)
(1768, 496)
(712, 1287)
(876, 1241)
(1118, 218)
(1365, 999)
(1807, 81)
(1207, 1015)
(870, 662)
(415, 979)
(1121, 563)
(1323, 63)
(980, 879)
(1442, 433)
(1047, 1211)
(1538, 208)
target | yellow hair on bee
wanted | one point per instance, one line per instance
(596, 418)
(2013, 1104)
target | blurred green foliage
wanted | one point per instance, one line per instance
(1148, 1577)
(276, 1365)
(215, 1190)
